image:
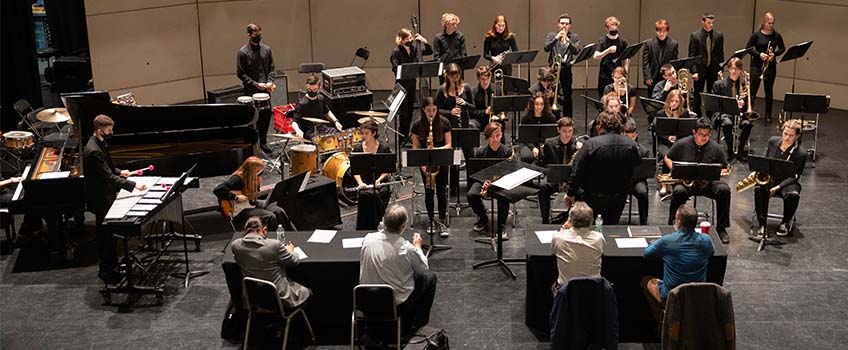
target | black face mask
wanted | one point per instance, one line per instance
(613, 32)
(409, 44)
(311, 93)
(106, 136)
(256, 39)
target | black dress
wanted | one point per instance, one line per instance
(372, 203)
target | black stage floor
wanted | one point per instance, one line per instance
(786, 297)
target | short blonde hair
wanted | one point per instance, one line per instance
(449, 18)
(610, 21)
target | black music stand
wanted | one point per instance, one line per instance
(373, 164)
(511, 103)
(696, 172)
(647, 169)
(431, 157)
(420, 70)
(804, 103)
(519, 57)
(475, 165)
(467, 62)
(721, 105)
(536, 133)
(679, 127)
(177, 190)
(584, 55)
(515, 85)
(738, 54)
(685, 61)
(465, 139)
(793, 53)
(629, 51)
(516, 194)
(393, 103)
(651, 106)
(778, 168)
(597, 103)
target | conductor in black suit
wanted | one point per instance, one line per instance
(709, 44)
(102, 183)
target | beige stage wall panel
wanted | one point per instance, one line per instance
(223, 30)
(94, 7)
(170, 92)
(142, 48)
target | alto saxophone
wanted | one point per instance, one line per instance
(430, 173)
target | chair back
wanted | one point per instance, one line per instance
(23, 108)
(585, 313)
(374, 302)
(261, 296)
(699, 316)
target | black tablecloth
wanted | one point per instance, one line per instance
(623, 267)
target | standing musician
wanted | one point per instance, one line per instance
(493, 149)
(545, 85)
(254, 65)
(103, 181)
(449, 44)
(372, 202)
(709, 44)
(498, 41)
(406, 51)
(563, 44)
(608, 50)
(784, 147)
(731, 86)
(640, 186)
(455, 102)
(431, 126)
(313, 105)
(602, 175)
(658, 51)
(243, 186)
(699, 148)
(673, 108)
(626, 92)
(766, 44)
(483, 93)
(538, 111)
(668, 83)
(560, 149)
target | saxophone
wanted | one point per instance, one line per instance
(430, 172)
(758, 178)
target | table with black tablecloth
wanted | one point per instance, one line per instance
(331, 272)
(623, 267)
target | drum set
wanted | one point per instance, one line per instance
(19, 142)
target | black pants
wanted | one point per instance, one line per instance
(476, 203)
(745, 126)
(791, 195)
(705, 81)
(717, 190)
(106, 244)
(262, 126)
(769, 77)
(371, 207)
(271, 216)
(440, 191)
(407, 107)
(546, 190)
(415, 310)
(609, 206)
(565, 80)
(640, 191)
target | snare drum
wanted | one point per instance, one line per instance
(355, 136)
(262, 101)
(303, 158)
(18, 139)
(337, 168)
(326, 143)
(245, 100)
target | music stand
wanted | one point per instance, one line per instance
(584, 55)
(176, 190)
(467, 62)
(473, 166)
(629, 51)
(515, 85)
(793, 53)
(651, 106)
(536, 133)
(695, 172)
(685, 61)
(511, 103)
(519, 57)
(777, 168)
(393, 103)
(465, 139)
(721, 105)
(431, 157)
(373, 164)
(499, 170)
(738, 54)
(803, 103)
(595, 102)
(420, 70)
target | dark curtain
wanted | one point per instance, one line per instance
(68, 31)
(19, 77)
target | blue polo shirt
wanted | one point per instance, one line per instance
(684, 254)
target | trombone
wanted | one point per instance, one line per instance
(498, 81)
(556, 65)
(684, 83)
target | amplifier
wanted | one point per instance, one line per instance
(344, 81)
(317, 206)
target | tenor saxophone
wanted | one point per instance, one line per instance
(430, 173)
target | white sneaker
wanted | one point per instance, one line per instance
(442, 229)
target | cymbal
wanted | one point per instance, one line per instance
(316, 120)
(53, 115)
(371, 113)
(291, 137)
(377, 120)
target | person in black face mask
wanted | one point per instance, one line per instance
(102, 183)
(254, 66)
(314, 105)
(410, 48)
(608, 50)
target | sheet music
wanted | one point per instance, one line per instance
(640, 242)
(322, 236)
(352, 242)
(121, 207)
(546, 236)
(516, 178)
(300, 253)
(55, 175)
(147, 180)
(20, 186)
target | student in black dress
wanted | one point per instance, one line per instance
(538, 111)
(373, 197)
(449, 44)
(608, 50)
(455, 101)
(243, 186)
(431, 124)
(406, 51)
(626, 92)
(498, 40)
(493, 149)
(759, 43)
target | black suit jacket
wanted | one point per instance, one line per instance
(698, 46)
(798, 157)
(724, 87)
(554, 150)
(102, 179)
(654, 56)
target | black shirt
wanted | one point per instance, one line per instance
(317, 108)
(254, 65)
(420, 128)
(730, 88)
(554, 149)
(495, 45)
(605, 165)
(447, 103)
(659, 93)
(759, 43)
(399, 55)
(567, 52)
(797, 155)
(481, 101)
(232, 183)
(530, 118)
(487, 152)
(607, 65)
(686, 150)
(381, 148)
(447, 47)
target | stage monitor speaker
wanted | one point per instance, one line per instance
(341, 105)
(316, 207)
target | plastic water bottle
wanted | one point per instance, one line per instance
(599, 223)
(281, 234)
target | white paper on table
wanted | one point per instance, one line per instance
(546, 236)
(322, 236)
(516, 178)
(352, 242)
(300, 253)
(55, 175)
(640, 242)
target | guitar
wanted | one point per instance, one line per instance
(231, 208)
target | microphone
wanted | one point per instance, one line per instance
(142, 170)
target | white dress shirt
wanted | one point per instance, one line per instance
(388, 258)
(578, 252)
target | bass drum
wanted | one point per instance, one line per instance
(337, 168)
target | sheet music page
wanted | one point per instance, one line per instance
(352, 242)
(516, 178)
(640, 242)
(147, 180)
(300, 253)
(322, 236)
(546, 236)
(121, 207)
(55, 175)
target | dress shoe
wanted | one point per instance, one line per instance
(743, 156)
(722, 234)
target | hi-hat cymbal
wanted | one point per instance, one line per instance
(53, 115)
(371, 113)
(375, 119)
(316, 120)
(291, 137)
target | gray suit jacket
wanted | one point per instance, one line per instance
(267, 259)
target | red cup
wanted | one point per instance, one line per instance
(705, 227)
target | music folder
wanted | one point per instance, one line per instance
(777, 168)
(685, 61)
(721, 104)
(584, 54)
(629, 51)
(646, 169)
(674, 126)
(536, 133)
(419, 70)
(696, 171)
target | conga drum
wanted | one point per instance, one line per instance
(245, 100)
(262, 101)
(303, 158)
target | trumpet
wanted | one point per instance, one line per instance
(769, 52)
(499, 57)
(750, 115)
(557, 65)
(431, 172)
(684, 82)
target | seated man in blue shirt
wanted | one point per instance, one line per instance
(684, 254)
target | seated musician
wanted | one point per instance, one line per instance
(483, 93)
(626, 92)
(784, 147)
(612, 105)
(669, 82)
(493, 149)
(732, 86)
(102, 183)
(267, 259)
(577, 248)
(241, 188)
(437, 129)
(699, 148)
(373, 197)
(545, 85)
(603, 170)
(673, 108)
(538, 111)
(559, 149)
(314, 105)
(640, 186)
